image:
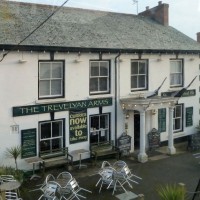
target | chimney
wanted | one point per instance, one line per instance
(158, 13)
(198, 37)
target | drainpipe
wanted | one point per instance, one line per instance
(116, 93)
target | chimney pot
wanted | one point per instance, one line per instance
(198, 37)
(158, 13)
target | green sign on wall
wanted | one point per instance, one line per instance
(78, 126)
(28, 142)
(57, 107)
(189, 116)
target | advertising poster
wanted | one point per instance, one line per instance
(78, 126)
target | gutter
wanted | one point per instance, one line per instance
(116, 93)
(11, 47)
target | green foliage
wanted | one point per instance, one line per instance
(18, 174)
(14, 152)
(171, 192)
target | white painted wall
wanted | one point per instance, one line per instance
(19, 87)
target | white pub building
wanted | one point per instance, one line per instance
(87, 76)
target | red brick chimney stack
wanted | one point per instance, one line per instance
(198, 37)
(159, 13)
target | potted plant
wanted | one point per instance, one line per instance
(14, 152)
(171, 192)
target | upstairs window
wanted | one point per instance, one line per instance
(138, 75)
(176, 73)
(99, 77)
(51, 81)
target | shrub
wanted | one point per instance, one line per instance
(171, 192)
(18, 174)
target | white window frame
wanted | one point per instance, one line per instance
(60, 136)
(99, 77)
(51, 79)
(100, 132)
(178, 117)
(137, 76)
(175, 75)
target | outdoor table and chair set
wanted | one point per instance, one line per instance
(116, 175)
(65, 186)
(9, 188)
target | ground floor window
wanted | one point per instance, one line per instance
(99, 128)
(178, 118)
(51, 136)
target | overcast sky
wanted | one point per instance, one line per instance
(184, 15)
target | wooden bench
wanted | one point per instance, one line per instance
(56, 157)
(104, 149)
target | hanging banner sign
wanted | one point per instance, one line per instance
(78, 126)
(187, 93)
(57, 107)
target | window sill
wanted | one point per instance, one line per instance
(50, 100)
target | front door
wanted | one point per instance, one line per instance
(136, 130)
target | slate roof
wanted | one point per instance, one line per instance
(88, 29)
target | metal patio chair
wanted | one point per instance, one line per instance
(106, 177)
(127, 176)
(75, 189)
(105, 164)
(49, 177)
(49, 191)
(63, 181)
(6, 178)
(119, 165)
(11, 196)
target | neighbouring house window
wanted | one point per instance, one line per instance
(99, 128)
(176, 73)
(51, 136)
(139, 75)
(178, 118)
(99, 77)
(51, 81)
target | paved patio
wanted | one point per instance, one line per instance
(160, 169)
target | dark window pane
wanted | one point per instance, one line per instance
(45, 145)
(56, 129)
(103, 84)
(45, 130)
(141, 80)
(103, 71)
(56, 143)
(93, 84)
(134, 68)
(133, 82)
(95, 122)
(94, 71)
(142, 68)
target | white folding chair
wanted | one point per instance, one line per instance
(49, 177)
(63, 181)
(49, 192)
(11, 196)
(119, 165)
(105, 164)
(7, 178)
(64, 175)
(117, 181)
(106, 177)
(75, 189)
(127, 176)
